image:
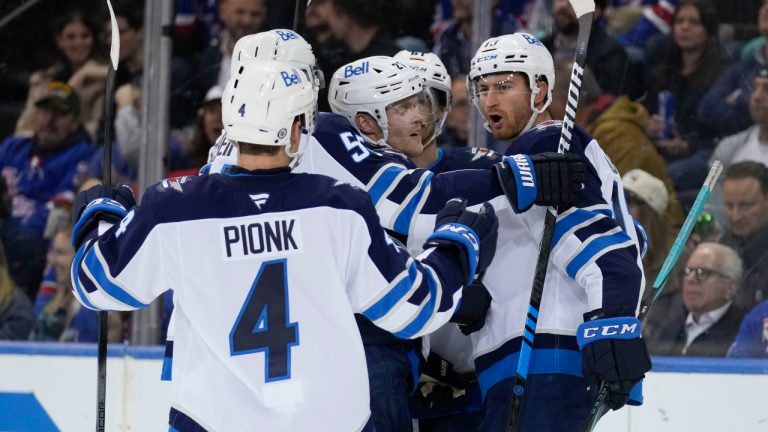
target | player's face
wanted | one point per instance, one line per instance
(405, 119)
(746, 206)
(76, 42)
(505, 99)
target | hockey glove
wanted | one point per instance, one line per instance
(613, 352)
(99, 203)
(547, 179)
(475, 301)
(473, 234)
(442, 370)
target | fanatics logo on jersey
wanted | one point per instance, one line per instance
(259, 199)
(260, 238)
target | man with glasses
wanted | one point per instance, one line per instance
(710, 283)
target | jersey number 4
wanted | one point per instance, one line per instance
(263, 324)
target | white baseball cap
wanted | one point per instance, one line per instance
(648, 188)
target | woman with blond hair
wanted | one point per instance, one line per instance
(16, 316)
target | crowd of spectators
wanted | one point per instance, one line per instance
(706, 58)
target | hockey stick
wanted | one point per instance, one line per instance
(106, 173)
(600, 407)
(585, 9)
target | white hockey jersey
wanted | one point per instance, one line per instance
(594, 264)
(267, 269)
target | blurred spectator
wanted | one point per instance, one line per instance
(130, 23)
(745, 197)
(656, 20)
(62, 318)
(240, 18)
(22, 246)
(454, 44)
(456, 131)
(647, 199)
(79, 64)
(711, 281)
(16, 316)
(751, 144)
(724, 109)
(207, 129)
(752, 339)
(619, 129)
(589, 93)
(615, 72)
(693, 62)
(52, 163)
(318, 31)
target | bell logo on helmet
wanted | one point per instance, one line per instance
(290, 79)
(351, 70)
(531, 39)
(286, 35)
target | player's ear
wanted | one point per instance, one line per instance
(295, 134)
(541, 96)
(368, 126)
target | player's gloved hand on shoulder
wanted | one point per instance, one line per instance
(547, 179)
(472, 234)
(613, 352)
(99, 203)
(475, 301)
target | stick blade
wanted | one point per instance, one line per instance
(114, 50)
(582, 7)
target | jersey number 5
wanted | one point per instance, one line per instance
(263, 324)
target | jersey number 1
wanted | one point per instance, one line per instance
(263, 324)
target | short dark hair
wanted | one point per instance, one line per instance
(367, 13)
(259, 149)
(749, 169)
(132, 11)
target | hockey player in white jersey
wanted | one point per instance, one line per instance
(595, 273)
(268, 267)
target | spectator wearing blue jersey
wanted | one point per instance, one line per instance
(752, 338)
(51, 164)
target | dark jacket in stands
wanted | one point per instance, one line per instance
(753, 252)
(714, 342)
(615, 72)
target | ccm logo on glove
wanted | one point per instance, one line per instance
(610, 330)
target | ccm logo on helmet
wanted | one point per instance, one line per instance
(286, 36)
(359, 70)
(486, 58)
(290, 79)
(609, 330)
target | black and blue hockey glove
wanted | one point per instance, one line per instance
(472, 234)
(547, 179)
(613, 352)
(471, 313)
(99, 203)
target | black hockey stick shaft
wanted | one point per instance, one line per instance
(106, 172)
(585, 10)
(600, 407)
